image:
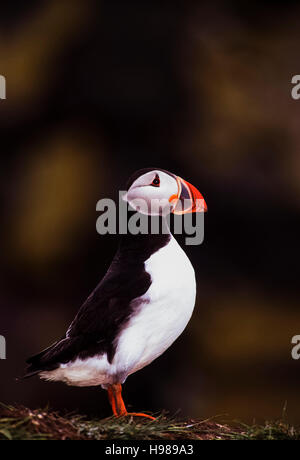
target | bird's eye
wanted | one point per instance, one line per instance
(156, 181)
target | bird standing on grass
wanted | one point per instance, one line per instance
(140, 307)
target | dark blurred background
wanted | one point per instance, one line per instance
(98, 89)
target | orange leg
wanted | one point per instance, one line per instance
(117, 403)
(112, 400)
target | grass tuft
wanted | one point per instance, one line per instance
(21, 423)
(270, 431)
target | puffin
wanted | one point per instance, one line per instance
(139, 308)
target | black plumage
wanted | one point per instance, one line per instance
(109, 307)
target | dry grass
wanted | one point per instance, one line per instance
(18, 423)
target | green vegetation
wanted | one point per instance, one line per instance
(18, 423)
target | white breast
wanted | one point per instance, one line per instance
(164, 314)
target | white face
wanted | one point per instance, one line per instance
(151, 193)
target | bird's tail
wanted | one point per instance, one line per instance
(39, 362)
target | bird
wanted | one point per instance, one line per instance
(139, 308)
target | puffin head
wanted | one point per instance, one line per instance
(154, 191)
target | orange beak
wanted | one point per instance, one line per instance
(188, 198)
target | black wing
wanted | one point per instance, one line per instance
(100, 319)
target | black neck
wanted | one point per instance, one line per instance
(141, 246)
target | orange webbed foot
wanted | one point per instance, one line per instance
(139, 414)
